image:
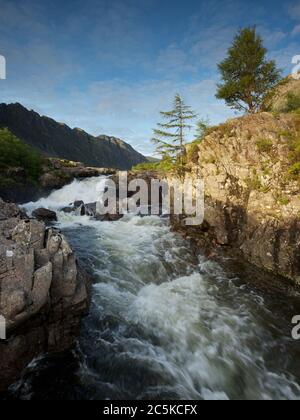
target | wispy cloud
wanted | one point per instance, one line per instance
(111, 66)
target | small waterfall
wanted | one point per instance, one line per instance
(165, 325)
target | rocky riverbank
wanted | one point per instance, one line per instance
(252, 190)
(55, 174)
(43, 292)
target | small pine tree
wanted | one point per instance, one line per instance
(170, 137)
(246, 73)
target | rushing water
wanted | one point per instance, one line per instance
(163, 324)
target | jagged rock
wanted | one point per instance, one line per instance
(45, 215)
(43, 292)
(252, 203)
(91, 211)
(77, 204)
(8, 210)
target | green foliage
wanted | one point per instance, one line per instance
(247, 76)
(264, 145)
(167, 164)
(193, 151)
(202, 128)
(295, 169)
(268, 100)
(211, 130)
(284, 201)
(225, 129)
(294, 146)
(170, 136)
(281, 199)
(254, 183)
(147, 166)
(14, 153)
(6, 182)
(293, 103)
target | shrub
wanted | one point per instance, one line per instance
(264, 145)
(295, 169)
(294, 146)
(293, 102)
(14, 153)
(165, 165)
(254, 183)
(193, 151)
(225, 129)
(283, 200)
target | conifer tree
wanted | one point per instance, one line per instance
(170, 136)
(246, 73)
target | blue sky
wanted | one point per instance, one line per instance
(109, 66)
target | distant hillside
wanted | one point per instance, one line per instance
(54, 139)
(152, 159)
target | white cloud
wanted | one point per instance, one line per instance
(296, 30)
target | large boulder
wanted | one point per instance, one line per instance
(44, 215)
(43, 292)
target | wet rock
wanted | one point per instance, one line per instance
(78, 204)
(45, 215)
(109, 217)
(89, 209)
(43, 292)
(67, 209)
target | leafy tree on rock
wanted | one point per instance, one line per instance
(246, 73)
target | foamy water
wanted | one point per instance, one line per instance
(166, 325)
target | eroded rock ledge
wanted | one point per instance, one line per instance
(251, 191)
(43, 292)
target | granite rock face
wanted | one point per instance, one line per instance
(251, 200)
(43, 292)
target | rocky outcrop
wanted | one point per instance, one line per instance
(251, 190)
(58, 140)
(43, 292)
(44, 215)
(56, 173)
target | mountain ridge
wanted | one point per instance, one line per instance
(58, 140)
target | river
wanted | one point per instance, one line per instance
(164, 324)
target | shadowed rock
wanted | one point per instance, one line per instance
(45, 215)
(43, 292)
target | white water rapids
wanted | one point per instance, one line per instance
(165, 325)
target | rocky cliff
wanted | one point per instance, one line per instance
(58, 140)
(43, 292)
(251, 170)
